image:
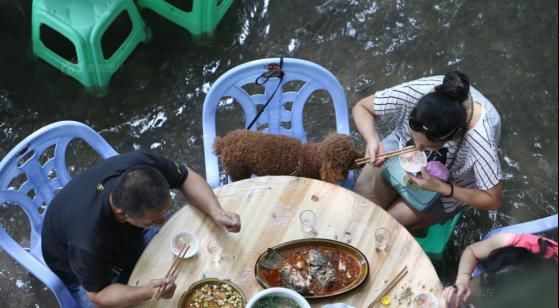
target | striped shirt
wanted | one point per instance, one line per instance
(477, 163)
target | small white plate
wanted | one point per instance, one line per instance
(185, 238)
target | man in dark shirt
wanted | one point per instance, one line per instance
(95, 228)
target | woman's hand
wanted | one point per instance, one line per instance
(428, 182)
(375, 149)
(456, 295)
(231, 221)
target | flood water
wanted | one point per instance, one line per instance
(508, 48)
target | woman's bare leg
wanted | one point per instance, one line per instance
(407, 216)
(372, 186)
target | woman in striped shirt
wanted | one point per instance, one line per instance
(442, 114)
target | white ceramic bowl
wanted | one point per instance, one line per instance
(429, 300)
(418, 161)
(185, 238)
(283, 292)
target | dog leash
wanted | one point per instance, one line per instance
(273, 70)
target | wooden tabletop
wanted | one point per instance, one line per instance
(269, 208)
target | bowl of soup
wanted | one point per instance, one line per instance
(278, 298)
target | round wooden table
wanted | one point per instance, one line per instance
(269, 208)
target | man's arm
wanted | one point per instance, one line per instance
(120, 295)
(197, 191)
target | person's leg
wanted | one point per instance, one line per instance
(415, 220)
(372, 186)
(370, 183)
(80, 295)
(407, 216)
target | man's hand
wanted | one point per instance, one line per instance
(231, 221)
(201, 196)
(168, 286)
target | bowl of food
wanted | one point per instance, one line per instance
(425, 300)
(213, 293)
(278, 297)
(183, 239)
(412, 162)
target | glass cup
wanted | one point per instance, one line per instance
(216, 252)
(308, 220)
(382, 238)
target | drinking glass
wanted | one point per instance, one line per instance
(308, 220)
(216, 252)
(382, 238)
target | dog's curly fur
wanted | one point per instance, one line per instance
(245, 152)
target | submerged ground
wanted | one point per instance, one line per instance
(508, 48)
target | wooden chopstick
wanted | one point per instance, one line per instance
(390, 286)
(364, 160)
(407, 149)
(172, 270)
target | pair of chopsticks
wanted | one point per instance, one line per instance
(390, 286)
(364, 160)
(172, 271)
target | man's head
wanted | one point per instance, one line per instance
(141, 196)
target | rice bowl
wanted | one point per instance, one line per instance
(413, 162)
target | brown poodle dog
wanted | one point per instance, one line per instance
(245, 152)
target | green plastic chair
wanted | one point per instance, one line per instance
(203, 18)
(434, 243)
(81, 25)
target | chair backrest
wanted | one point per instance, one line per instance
(283, 115)
(30, 174)
(541, 225)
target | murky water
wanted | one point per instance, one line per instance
(508, 48)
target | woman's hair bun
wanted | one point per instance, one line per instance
(456, 85)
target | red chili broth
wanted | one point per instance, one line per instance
(294, 255)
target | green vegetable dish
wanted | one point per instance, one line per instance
(274, 301)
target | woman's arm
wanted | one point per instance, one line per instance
(199, 194)
(481, 250)
(364, 118)
(460, 291)
(482, 199)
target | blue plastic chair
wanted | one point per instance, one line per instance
(40, 183)
(541, 225)
(276, 118)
